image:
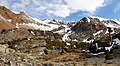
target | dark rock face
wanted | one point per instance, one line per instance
(89, 25)
(94, 30)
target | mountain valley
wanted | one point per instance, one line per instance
(28, 41)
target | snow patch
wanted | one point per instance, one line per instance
(107, 31)
(66, 36)
(68, 43)
(86, 40)
(97, 53)
(28, 39)
(75, 40)
(112, 25)
(34, 26)
(117, 41)
(88, 19)
(110, 32)
(63, 31)
(37, 20)
(16, 12)
(9, 20)
(116, 20)
(100, 18)
(32, 33)
(46, 21)
(108, 23)
(94, 34)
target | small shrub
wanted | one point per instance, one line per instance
(108, 56)
(84, 45)
(57, 36)
(3, 31)
(13, 43)
(81, 45)
(62, 51)
(46, 51)
(111, 51)
(56, 43)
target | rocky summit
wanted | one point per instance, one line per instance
(28, 41)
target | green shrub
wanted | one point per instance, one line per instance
(13, 43)
(56, 43)
(108, 55)
(86, 46)
(46, 51)
(57, 36)
(62, 51)
(3, 30)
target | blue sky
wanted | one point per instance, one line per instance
(67, 10)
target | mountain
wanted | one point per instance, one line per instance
(11, 19)
(21, 20)
(5, 21)
(85, 30)
(4, 24)
(91, 28)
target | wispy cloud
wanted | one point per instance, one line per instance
(117, 8)
(4, 2)
(55, 8)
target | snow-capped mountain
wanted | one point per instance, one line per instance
(52, 25)
(90, 29)
(113, 23)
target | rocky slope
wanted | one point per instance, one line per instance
(36, 47)
(27, 44)
(4, 24)
(13, 19)
(90, 28)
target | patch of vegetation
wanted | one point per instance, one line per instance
(13, 43)
(55, 44)
(108, 55)
(3, 30)
(57, 36)
(46, 51)
(49, 33)
(83, 45)
(1, 53)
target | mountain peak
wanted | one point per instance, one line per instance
(6, 13)
(100, 18)
(22, 13)
(2, 7)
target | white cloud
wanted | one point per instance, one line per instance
(63, 11)
(59, 8)
(4, 2)
(85, 5)
(117, 8)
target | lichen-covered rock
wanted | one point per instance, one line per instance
(4, 48)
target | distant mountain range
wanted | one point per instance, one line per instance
(85, 30)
